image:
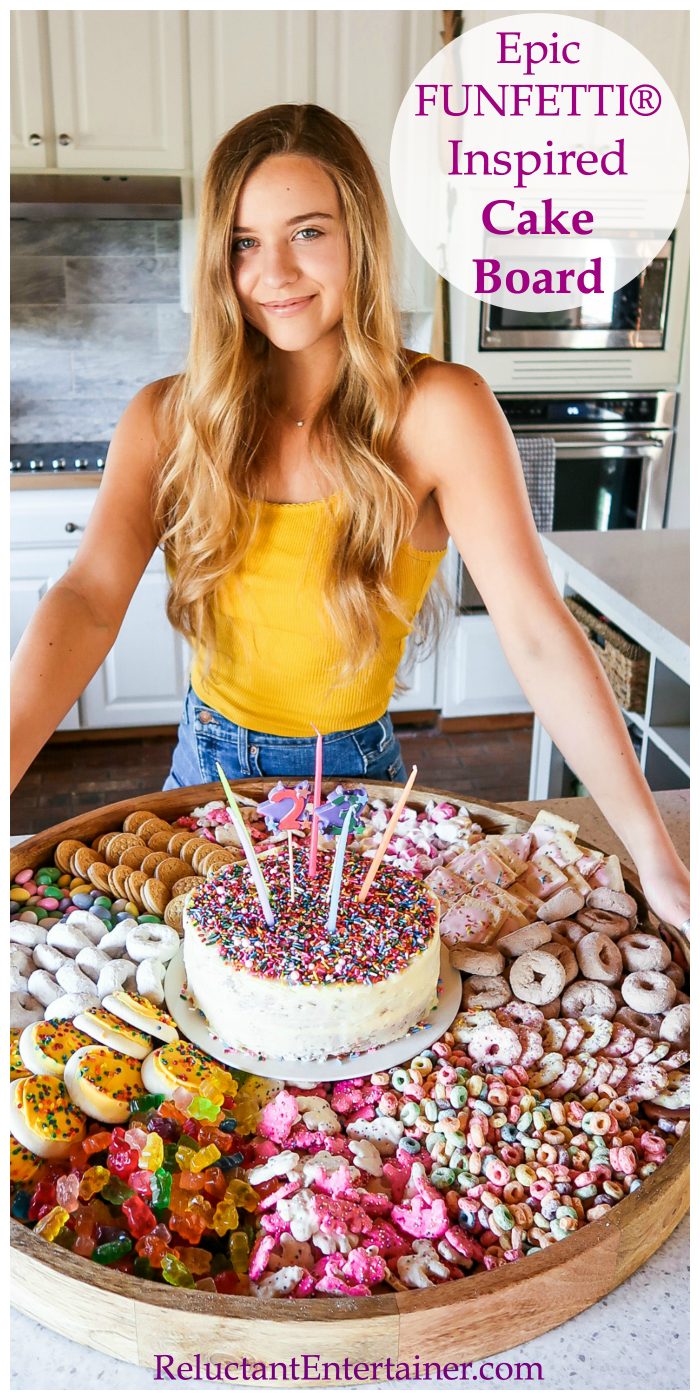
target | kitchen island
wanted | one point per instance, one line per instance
(639, 580)
(638, 1331)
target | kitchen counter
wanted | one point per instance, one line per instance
(639, 1332)
(53, 481)
(640, 580)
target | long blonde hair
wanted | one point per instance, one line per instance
(215, 415)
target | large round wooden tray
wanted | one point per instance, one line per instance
(459, 1322)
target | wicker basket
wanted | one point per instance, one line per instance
(625, 663)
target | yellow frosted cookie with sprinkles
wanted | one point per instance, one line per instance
(46, 1046)
(43, 1118)
(102, 1082)
(17, 1069)
(107, 1029)
(138, 1011)
(182, 1066)
(24, 1165)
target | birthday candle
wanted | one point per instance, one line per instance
(386, 838)
(337, 872)
(313, 844)
(256, 872)
(291, 866)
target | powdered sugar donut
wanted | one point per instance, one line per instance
(24, 1010)
(639, 1021)
(614, 901)
(644, 952)
(149, 941)
(488, 992)
(584, 998)
(599, 958)
(537, 977)
(648, 991)
(675, 1027)
(566, 955)
(603, 921)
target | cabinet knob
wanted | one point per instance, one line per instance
(65, 140)
(35, 139)
(71, 527)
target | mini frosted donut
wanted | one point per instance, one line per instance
(91, 962)
(27, 935)
(648, 991)
(43, 986)
(574, 1035)
(24, 1010)
(68, 940)
(614, 901)
(46, 1046)
(138, 1011)
(585, 998)
(675, 1027)
(645, 1081)
(676, 1094)
(71, 979)
(599, 1032)
(553, 1034)
(107, 1029)
(113, 976)
(523, 1014)
(47, 957)
(561, 905)
(43, 1118)
(102, 1082)
(566, 956)
(152, 941)
(537, 977)
(149, 980)
(69, 1005)
(603, 921)
(567, 1081)
(532, 1047)
(644, 952)
(488, 992)
(524, 940)
(599, 958)
(550, 1068)
(87, 923)
(21, 960)
(497, 1045)
(482, 962)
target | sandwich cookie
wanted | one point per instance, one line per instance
(138, 1011)
(43, 1118)
(102, 1083)
(47, 1046)
(182, 1066)
(24, 1165)
(107, 1029)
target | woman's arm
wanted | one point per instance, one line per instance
(461, 437)
(77, 621)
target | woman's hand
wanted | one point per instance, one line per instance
(666, 886)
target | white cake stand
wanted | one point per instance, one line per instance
(194, 1025)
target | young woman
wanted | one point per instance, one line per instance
(303, 476)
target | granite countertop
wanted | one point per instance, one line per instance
(635, 1337)
(640, 580)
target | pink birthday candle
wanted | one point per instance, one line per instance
(391, 828)
(313, 844)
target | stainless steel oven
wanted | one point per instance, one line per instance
(612, 461)
(632, 318)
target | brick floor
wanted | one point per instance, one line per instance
(72, 777)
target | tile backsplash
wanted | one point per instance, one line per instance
(95, 315)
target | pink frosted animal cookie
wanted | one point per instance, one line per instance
(279, 1116)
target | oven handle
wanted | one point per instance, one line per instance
(609, 449)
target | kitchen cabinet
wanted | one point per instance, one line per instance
(32, 573)
(473, 677)
(98, 90)
(144, 677)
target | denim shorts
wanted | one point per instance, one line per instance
(206, 738)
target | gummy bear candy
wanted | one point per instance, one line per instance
(67, 1188)
(238, 1251)
(196, 1260)
(214, 1182)
(225, 1217)
(205, 1157)
(43, 1198)
(175, 1273)
(92, 1181)
(204, 1108)
(52, 1223)
(190, 1226)
(241, 1194)
(122, 1159)
(140, 1182)
(139, 1216)
(98, 1142)
(151, 1154)
(113, 1249)
(146, 1102)
(116, 1191)
(161, 1186)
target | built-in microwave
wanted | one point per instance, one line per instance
(631, 339)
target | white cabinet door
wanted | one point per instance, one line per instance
(476, 678)
(119, 88)
(30, 121)
(143, 679)
(421, 695)
(364, 63)
(32, 573)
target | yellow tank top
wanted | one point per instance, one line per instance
(275, 656)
